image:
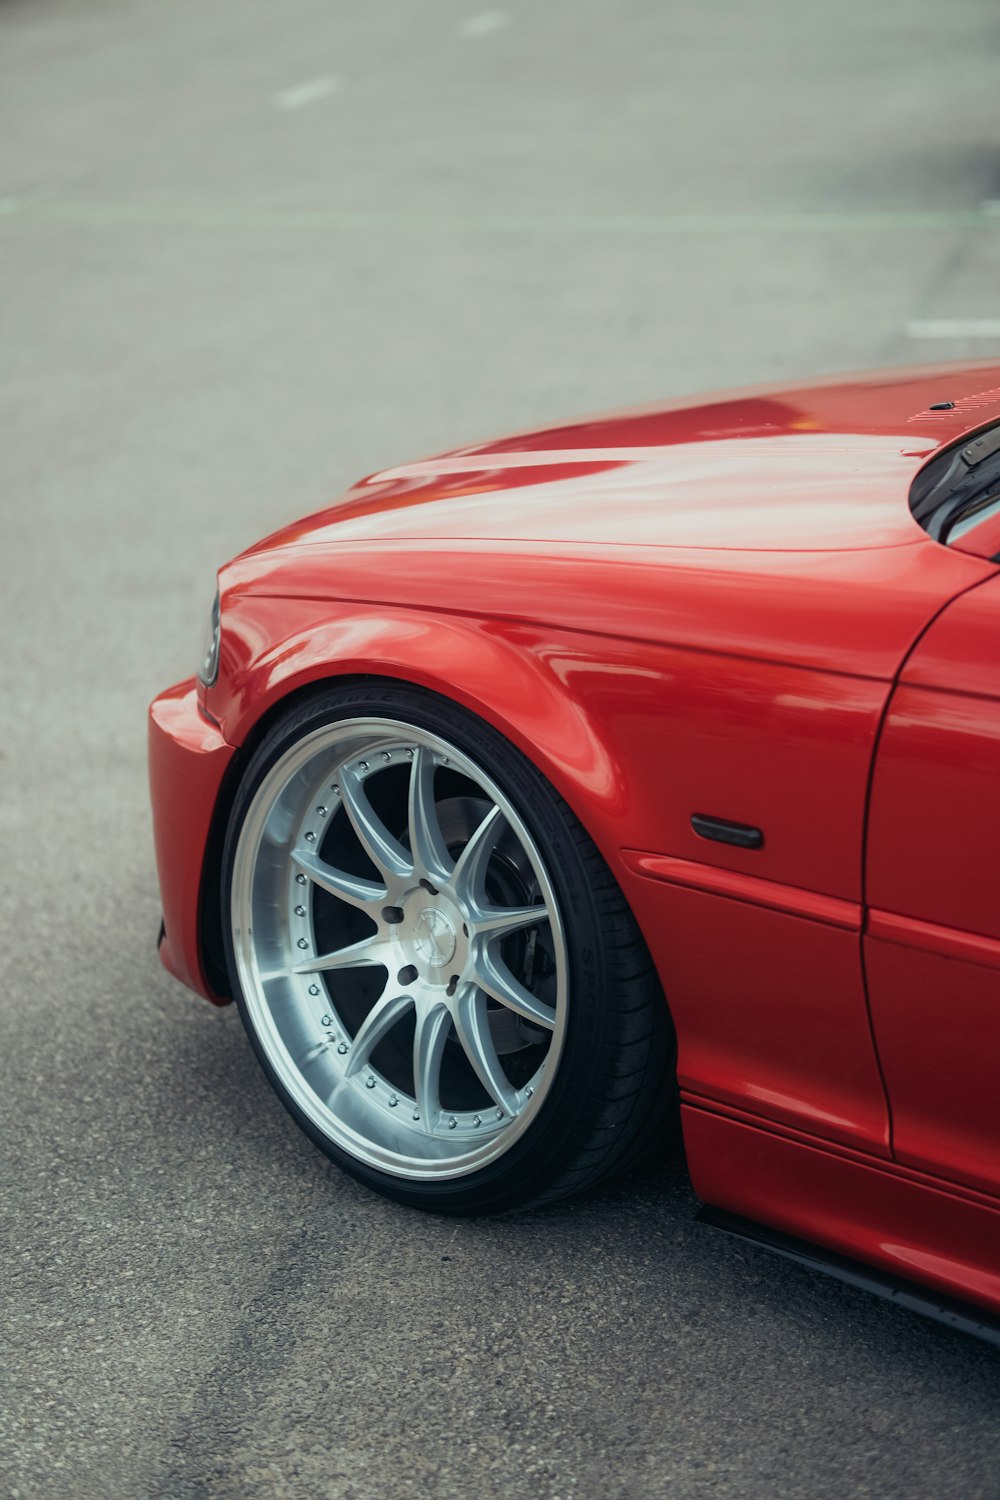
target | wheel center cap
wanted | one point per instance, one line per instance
(434, 937)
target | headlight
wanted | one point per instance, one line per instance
(209, 669)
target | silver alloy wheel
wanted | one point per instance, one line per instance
(399, 948)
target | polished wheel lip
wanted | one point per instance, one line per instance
(437, 937)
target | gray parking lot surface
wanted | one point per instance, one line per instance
(249, 252)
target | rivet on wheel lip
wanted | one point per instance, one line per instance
(499, 1114)
(393, 1101)
(303, 943)
(477, 1121)
(314, 989)
(321, 810)
(452, 1123)
(416, 1114)
(300, 911)
(343, 1048)
(310, 838)
(386, 755)
(369, 1083)
(363, 765)
(528, 1092)
(300, 880)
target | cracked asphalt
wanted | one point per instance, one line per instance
(249, 252)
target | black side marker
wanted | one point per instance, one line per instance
(720, 832)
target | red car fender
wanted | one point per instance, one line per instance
(738, 739)
(502, 681)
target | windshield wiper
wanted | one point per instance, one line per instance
(969, 483)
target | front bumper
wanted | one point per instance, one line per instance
(188, 759)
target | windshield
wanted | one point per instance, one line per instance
(960, 489)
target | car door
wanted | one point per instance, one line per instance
(932, 938)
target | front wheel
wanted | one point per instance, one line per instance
(434, 965)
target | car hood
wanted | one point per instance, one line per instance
(820, 467)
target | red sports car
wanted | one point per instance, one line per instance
(538, 797)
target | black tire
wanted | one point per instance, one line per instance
(612, 1091)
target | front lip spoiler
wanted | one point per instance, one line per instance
(964, 1317)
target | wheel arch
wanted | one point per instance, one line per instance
(507, 675)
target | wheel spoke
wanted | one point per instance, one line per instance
(473, 1028)
(427, 845)
(363, 955)
(385, 852)
(497, 921)
(379, 1021)
(496, 980)
(469, 875)
(433, 1027)
(349, 888)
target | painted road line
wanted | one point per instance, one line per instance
(954, 328)
(208, 215)
(16, 203)
(482, 25)
(310, 92)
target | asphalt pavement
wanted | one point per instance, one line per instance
(248, 252)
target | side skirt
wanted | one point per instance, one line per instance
(954, 1314)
